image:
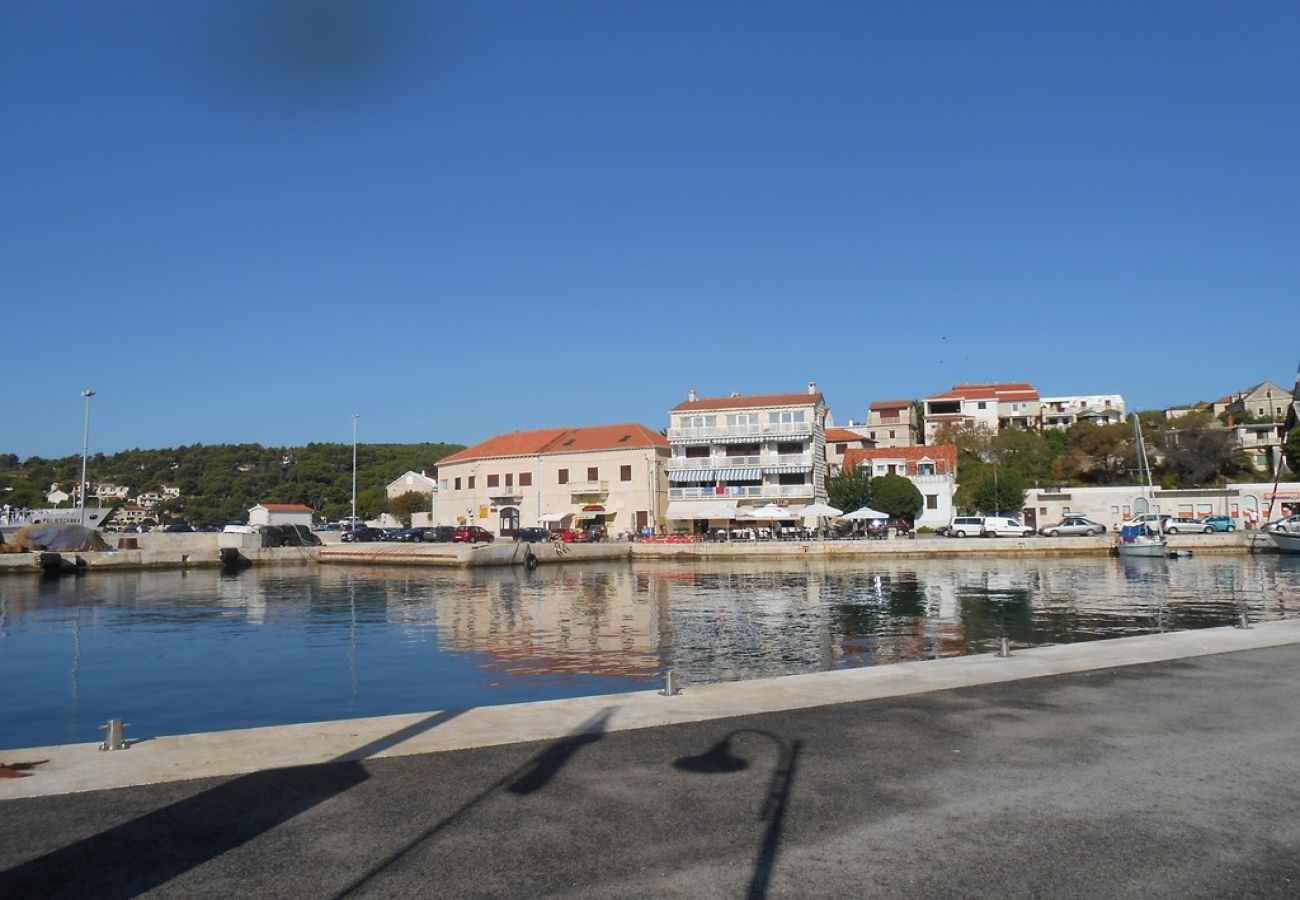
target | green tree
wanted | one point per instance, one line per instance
(897, 496)
(996, 493)
(849, 489)
(1291, 448)
(1201, 452)
(405, 504)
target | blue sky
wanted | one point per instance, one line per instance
(246, 221)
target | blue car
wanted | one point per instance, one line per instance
(1220, 523)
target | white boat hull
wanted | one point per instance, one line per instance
(1286, 541)
(1142, 549)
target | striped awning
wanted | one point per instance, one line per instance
(686, 475)
(739, 474)
(786, 470)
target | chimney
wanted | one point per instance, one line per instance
(812, 387)
(690, 396)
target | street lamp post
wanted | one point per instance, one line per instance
(85, 446)
(353, 521)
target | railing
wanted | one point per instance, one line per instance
(713, 462)
(755, 490)
(588, 487)
(739, 462)
(738, 431)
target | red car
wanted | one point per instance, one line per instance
(471, 534)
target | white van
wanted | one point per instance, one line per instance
(1000, 526)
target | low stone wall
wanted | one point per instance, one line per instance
(499, 553)
(126, 560)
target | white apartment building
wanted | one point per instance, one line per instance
(609, 476)
(892, 423)
(932, 468)
(989, 406)
(736, 451)
(1100, 409)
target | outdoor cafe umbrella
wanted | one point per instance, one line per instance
(866, 512)
(820, 511)
(771, 513)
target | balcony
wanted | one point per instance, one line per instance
(677, 463)
(588, 487)
(731, 493)
(723, 432)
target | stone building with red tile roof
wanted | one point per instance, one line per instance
(932, 468)
(611, 476)
(893, 423)
(991, 406)
(280, 514)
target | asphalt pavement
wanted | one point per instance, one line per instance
(1174, 779)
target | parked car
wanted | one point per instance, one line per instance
(1220, 523)
(1072, 525)
(179, 528)
(411, 535)
(1289, 524)
(532, 535)
(966, 526)
(567, 535)
(1187, 526)
(471, 534)
(897, 525)
(362, 534)
(1003, 526)
(439, 534)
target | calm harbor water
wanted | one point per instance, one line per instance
(175, 652)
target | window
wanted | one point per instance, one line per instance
(525, 479)
(873, 435)
(457, 484)
(509, 520)
(624, 473)
(981, 405)
(471, 482)
(931, 501)
(699, 421)
(593, 474)
(442, 485)
(701, 452)
(510, 479)
(494, 481)
(891, 432)
(742, 420)
(562, 476)
(841, 448)
(799, 478)
(789, 417)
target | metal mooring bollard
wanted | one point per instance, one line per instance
(113, 738)
(1243, 620)
(670, 685)
(1004, 647)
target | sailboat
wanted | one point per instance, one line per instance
(1142, 539)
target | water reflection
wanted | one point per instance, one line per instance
(202, 650)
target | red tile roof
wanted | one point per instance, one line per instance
(561, 440)
(804, 399)
(285, 507)
(944, 457)
(840, 435)
(891, 404)
(1011, 390)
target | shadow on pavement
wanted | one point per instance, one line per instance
(528, 778)
(139, 855)
(720, 760)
